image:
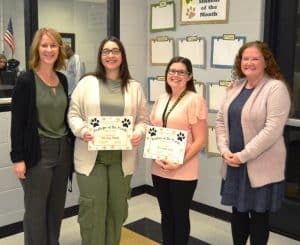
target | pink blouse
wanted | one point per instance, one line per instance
(191, 108)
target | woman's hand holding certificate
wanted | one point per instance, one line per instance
(167, 165)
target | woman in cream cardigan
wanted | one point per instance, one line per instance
(249, 131)
(104, 176)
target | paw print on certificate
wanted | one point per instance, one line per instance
(180, 136)
(95, 122)
(152, 132)
(126, 122)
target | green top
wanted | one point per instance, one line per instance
(111, 104)
(51, 107)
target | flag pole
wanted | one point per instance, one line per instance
(9, 37)
(1, 26)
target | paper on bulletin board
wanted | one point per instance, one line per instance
(156, 87)
(200, 88)
(194, 49)
(203, 11)
(224, 50)
(216, 94)
(212, 149)
(161, 50)
(162, 16)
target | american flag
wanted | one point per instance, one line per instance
(9, 36)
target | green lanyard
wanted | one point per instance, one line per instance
(166, 114)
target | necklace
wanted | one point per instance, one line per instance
(51, 81)
(165, 113)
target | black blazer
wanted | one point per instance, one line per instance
(25, 143)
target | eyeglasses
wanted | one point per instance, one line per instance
(180, 73)
(114, 51)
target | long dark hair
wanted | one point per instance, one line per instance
(124, 71)
(178, 59)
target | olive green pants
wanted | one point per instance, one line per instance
(103, 206)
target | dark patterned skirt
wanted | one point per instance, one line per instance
(237, 192)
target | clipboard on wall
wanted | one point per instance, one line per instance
(192, 47)
(224, 50)
(200, 88)
(212, 149)
(161, 50)
(162, 16)
(156, 87)
(216, 93)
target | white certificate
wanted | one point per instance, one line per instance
(110, 133)
(165, 144)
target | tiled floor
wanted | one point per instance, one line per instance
(205, 228)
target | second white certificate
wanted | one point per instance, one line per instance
(110, 133)
(165, 144)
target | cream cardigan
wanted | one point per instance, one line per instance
(85, 102)
(263, 118)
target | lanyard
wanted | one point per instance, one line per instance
(166, 114)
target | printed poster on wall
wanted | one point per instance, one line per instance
(204, 11)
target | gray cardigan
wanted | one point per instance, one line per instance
(263, 118)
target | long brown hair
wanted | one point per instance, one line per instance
(34, 49)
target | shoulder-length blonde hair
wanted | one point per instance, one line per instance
(34, 49)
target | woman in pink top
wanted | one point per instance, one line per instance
(179, 108)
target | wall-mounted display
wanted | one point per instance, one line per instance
(156, 87)
(192, 47)
(162, 16)
(68, 39)
(224, 49)
(212, 149)
(203, 11)
(161, 50)
(215, 94)
(200, 88)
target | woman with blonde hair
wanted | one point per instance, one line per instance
(40, 149)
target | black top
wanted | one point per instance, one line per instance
(25, 144)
